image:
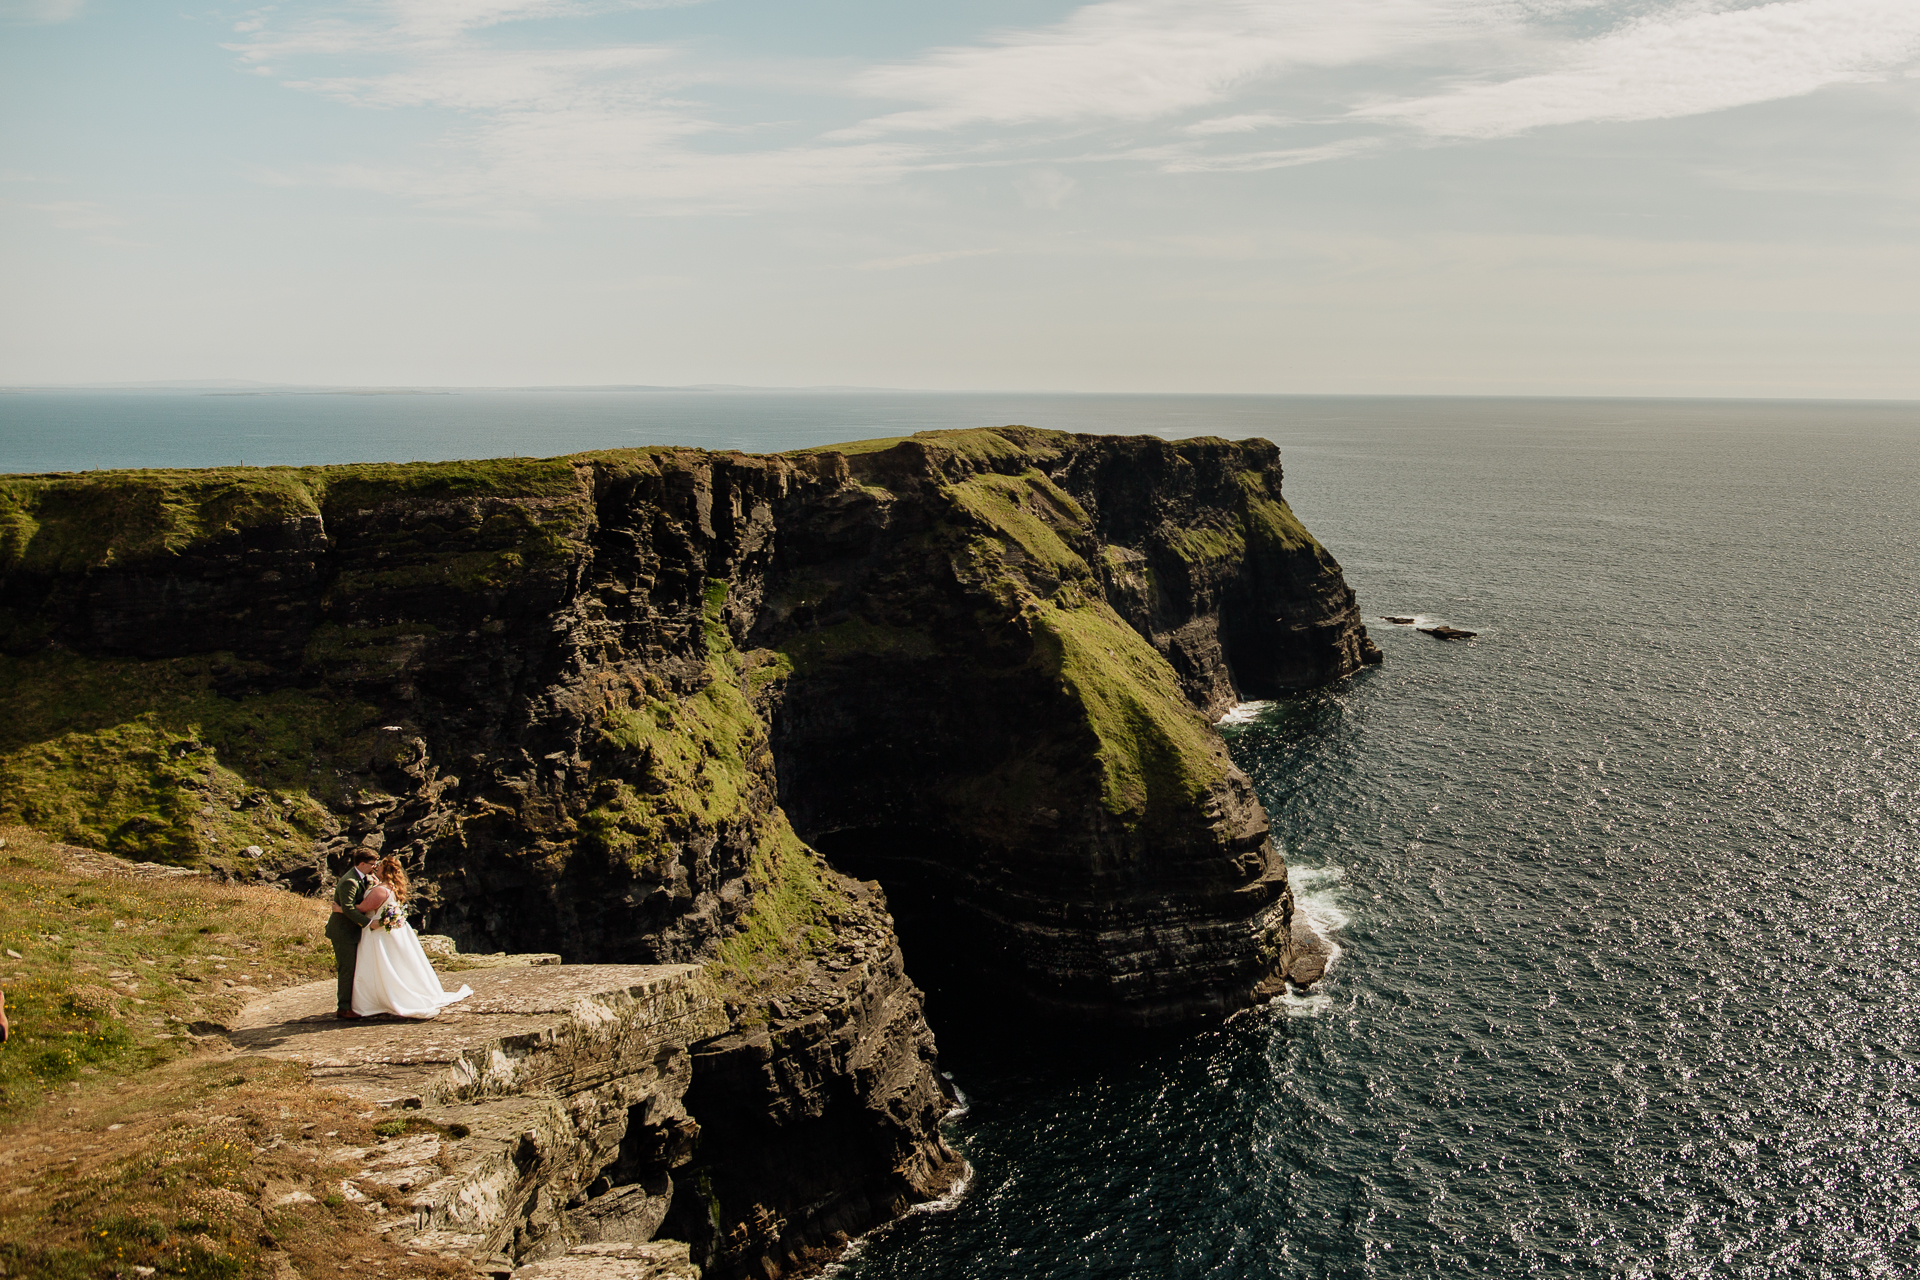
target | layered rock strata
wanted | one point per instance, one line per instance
(803, 1111)
(615, 705)
(557, 1092)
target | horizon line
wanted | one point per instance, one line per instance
(243, 387)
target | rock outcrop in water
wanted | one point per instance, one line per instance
(611, 705)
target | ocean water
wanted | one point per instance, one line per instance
(86, 430)
(1626, 888)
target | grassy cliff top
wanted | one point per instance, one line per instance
(76, 521)
(135, 1137)
(985, 444)
(981, 444)
(72, 522)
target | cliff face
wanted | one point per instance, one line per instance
(1006, 649)
(610, 705)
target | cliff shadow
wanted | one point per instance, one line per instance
(951, 944)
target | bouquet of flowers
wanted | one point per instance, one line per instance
(390, 917)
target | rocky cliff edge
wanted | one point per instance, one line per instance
(618, 706)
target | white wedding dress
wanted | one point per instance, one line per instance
(391, 974)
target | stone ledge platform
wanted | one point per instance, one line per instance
(559, 1028)
(555, 1092)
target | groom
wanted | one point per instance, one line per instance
(344, 926)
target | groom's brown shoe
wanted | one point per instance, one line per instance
(348, 1015)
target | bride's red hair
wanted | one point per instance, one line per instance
(394, 878)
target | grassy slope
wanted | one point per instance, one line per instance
(1014, 538)
(68, 523)
(1158, 755)
(695, 758)
(130, 1141)
(977, 444)
(146, 760)
(1270, 521)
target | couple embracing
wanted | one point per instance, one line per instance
(377, 956)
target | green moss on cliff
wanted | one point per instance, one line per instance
(995, 444)
(1270, 521)
(853, 448)
(686, 761)
(427, 560)
(691, 754)
(1158, 755)
(976, 444)
(363, 486)
(695, 758)
(1030, 512)
(794, 899)
(67, 523)
(1207, 543)
(147, 760)
(358, 652)
(853, 638)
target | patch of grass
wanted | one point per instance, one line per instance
(1030, 512)
(684, 762)
(363, 486)
(69, 523)
(852, 448)
(1271, 522)
(976, 444)
(188, 1170)
(66, 523)
(761, 668)
(356, 651)
(992, 444)
(468, 547)
(1208, 542)
(147, 760)
(854, 638)
(794, 899)
(1158, 755)
(131, 1145)
(111, 970)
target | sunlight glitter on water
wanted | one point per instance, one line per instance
(1622, 892)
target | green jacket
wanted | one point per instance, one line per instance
(347, 894)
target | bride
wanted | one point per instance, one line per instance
(391, 973)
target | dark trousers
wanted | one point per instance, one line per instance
(345, 938)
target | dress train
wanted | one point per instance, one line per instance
(391, 974)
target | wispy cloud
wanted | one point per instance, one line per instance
(88, 219)
(1131, 60)
(921, 259)
(1173, 84)
(1177, 160)
(1245, 122)
(359, 25)
(40, 13)
(1685, 64)
(534, 124)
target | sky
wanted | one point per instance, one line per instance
(1557, 197)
